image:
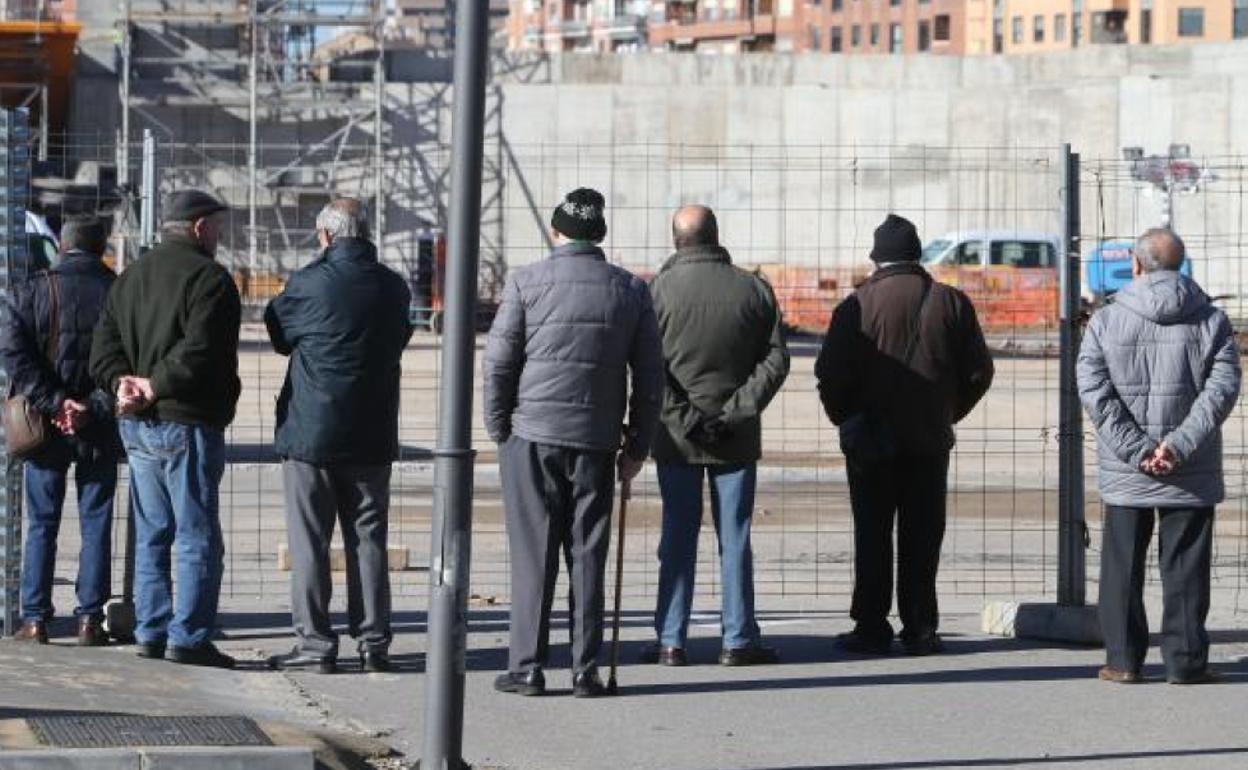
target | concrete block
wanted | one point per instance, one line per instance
(71, 759)
(228, 758)
(397, 556)
(1049, 622)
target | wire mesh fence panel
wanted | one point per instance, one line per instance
(803, 217)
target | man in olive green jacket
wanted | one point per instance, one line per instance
(725, 358)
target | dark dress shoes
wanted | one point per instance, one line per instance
(1207, 676)
(863, 644)
(923, 644)
(150, 650)
(206, 655)
(664, 656)
(298, 660)
(531, 682)
(588, 684)
(91, 632)
(376, 661)
(753, 655)
(32, 631)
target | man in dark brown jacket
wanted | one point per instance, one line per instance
(904, 360)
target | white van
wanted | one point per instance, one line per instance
(993, 248)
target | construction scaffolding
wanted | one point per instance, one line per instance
(221, 72)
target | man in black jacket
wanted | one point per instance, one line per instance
(46, 346)
(344, 320)
(904, 360)
(174, 368)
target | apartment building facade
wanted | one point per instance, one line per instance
(858, 27)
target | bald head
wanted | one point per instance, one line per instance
(694, 226)
(1159, 249)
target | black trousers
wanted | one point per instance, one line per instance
(911, 489)
(556, 499)
(1185, 554)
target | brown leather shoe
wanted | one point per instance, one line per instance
(1118, 676)
(91, 632)
(32, 631)
(664, 656)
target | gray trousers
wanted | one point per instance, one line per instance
(556, 499)
(1185, 556)
(358, 496)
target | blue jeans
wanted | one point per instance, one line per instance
(44, 480)
(175, 472)
(732, 506)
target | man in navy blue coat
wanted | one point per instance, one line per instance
(344, 321)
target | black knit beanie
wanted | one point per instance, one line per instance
(579, 216)
(896, 240)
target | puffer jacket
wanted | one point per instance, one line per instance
(83, 282)
(725, 355)
(1160, 364)
(568, 331)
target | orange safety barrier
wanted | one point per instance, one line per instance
(1004, 297)
(259, 285)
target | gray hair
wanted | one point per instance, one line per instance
(1160, 248)
(344, 218)
(84, 234)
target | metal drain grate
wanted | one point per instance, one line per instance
(95, 732)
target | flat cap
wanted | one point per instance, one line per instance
(190, 205)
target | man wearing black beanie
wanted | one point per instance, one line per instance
(574, 347)
(904, 360)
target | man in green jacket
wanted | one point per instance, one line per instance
(167, 345)
(726, 358)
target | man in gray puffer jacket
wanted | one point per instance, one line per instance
(568, 331)
(1158, 375)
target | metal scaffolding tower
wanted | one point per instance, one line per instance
(274, 105)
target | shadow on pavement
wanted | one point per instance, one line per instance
(1018, 761)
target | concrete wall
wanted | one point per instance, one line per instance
(805, 153)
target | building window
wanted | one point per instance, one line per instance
(998, 37)
(816, 38)
(894, 37)
(895, 3)
(1109, 27)
(1016, 30)
(875, 35)
(855, 36)
(1037, 31)
(837, 4)
(1076, 29)
(1059, 28)
(1240, 25)
(1146, 26)
(834, 37)
(925, 35)
(1191, 22)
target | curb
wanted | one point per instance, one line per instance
(161, 758)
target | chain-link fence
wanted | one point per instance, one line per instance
(803, 217)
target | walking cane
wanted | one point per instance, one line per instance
(625, 493)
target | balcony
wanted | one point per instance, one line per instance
(623, 27)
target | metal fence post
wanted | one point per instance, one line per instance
(452, 500)
(148, 192)
(15, 190)
(1071, 526)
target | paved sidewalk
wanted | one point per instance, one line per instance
(987, 702)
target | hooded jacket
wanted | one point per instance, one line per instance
(1159, 364)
